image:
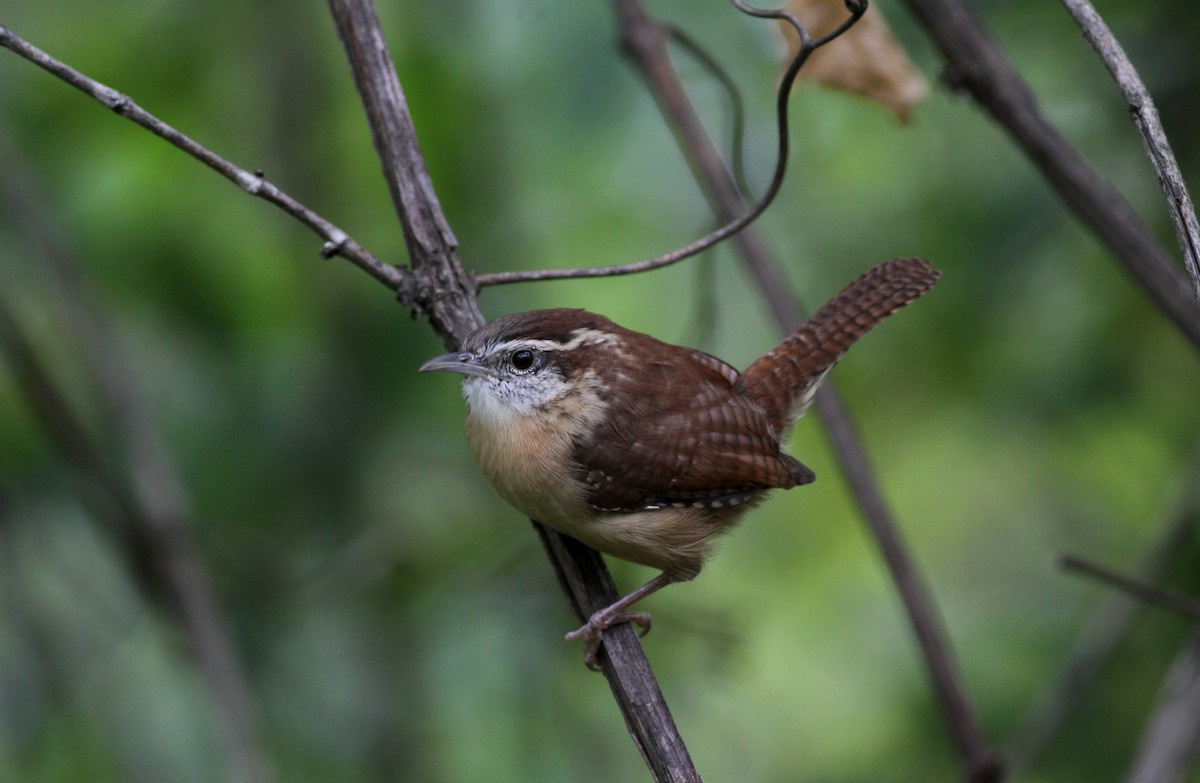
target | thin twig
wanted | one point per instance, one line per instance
(1101, 635)
(643, 40)
(735, 223)
(978, 65)
(1145, 118)
(1142, 590)
(337, 242)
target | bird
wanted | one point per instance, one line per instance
(645, 450)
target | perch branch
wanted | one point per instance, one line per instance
(449, 297)
(647, 717)
(643, 40)
(337, 242)
(445, 292)
(1145, 118)
(978, 65)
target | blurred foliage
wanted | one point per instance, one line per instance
(396, 621)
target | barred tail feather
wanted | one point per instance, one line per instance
(784, 381)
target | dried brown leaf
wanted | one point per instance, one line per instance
(866, 60)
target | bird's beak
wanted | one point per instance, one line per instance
(464, 363)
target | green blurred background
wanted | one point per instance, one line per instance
(395, 620)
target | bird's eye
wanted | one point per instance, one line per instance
(523, 359)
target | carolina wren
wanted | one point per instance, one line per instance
(645, 450)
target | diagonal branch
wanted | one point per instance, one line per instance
(643, 39)
(977, 64)
(1145, 117)
(337, 242)
(1139, 588)
(447, 294)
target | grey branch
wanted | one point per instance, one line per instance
(337, 242)
(445, 292)
(1145, 117)
(448, 296)
(978, 65)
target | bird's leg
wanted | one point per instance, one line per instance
(591, 632)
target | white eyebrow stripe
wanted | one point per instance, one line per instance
(579, 337)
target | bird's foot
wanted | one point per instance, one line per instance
(592, 631)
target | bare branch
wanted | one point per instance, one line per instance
(448, 295)
(1145, 118)
(978, 65)
(337, 242)
(634, 688)
(1135, 587)
(739, 221)
(445, 292)
(1102, 633)
(643, 39)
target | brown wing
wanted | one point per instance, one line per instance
(721, 367)
(694, 442)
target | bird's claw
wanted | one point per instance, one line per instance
(592, 632)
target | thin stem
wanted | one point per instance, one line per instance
(1135, 587)
(808, 45)
(337, 242)
(980, 67)
(1145, 117)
